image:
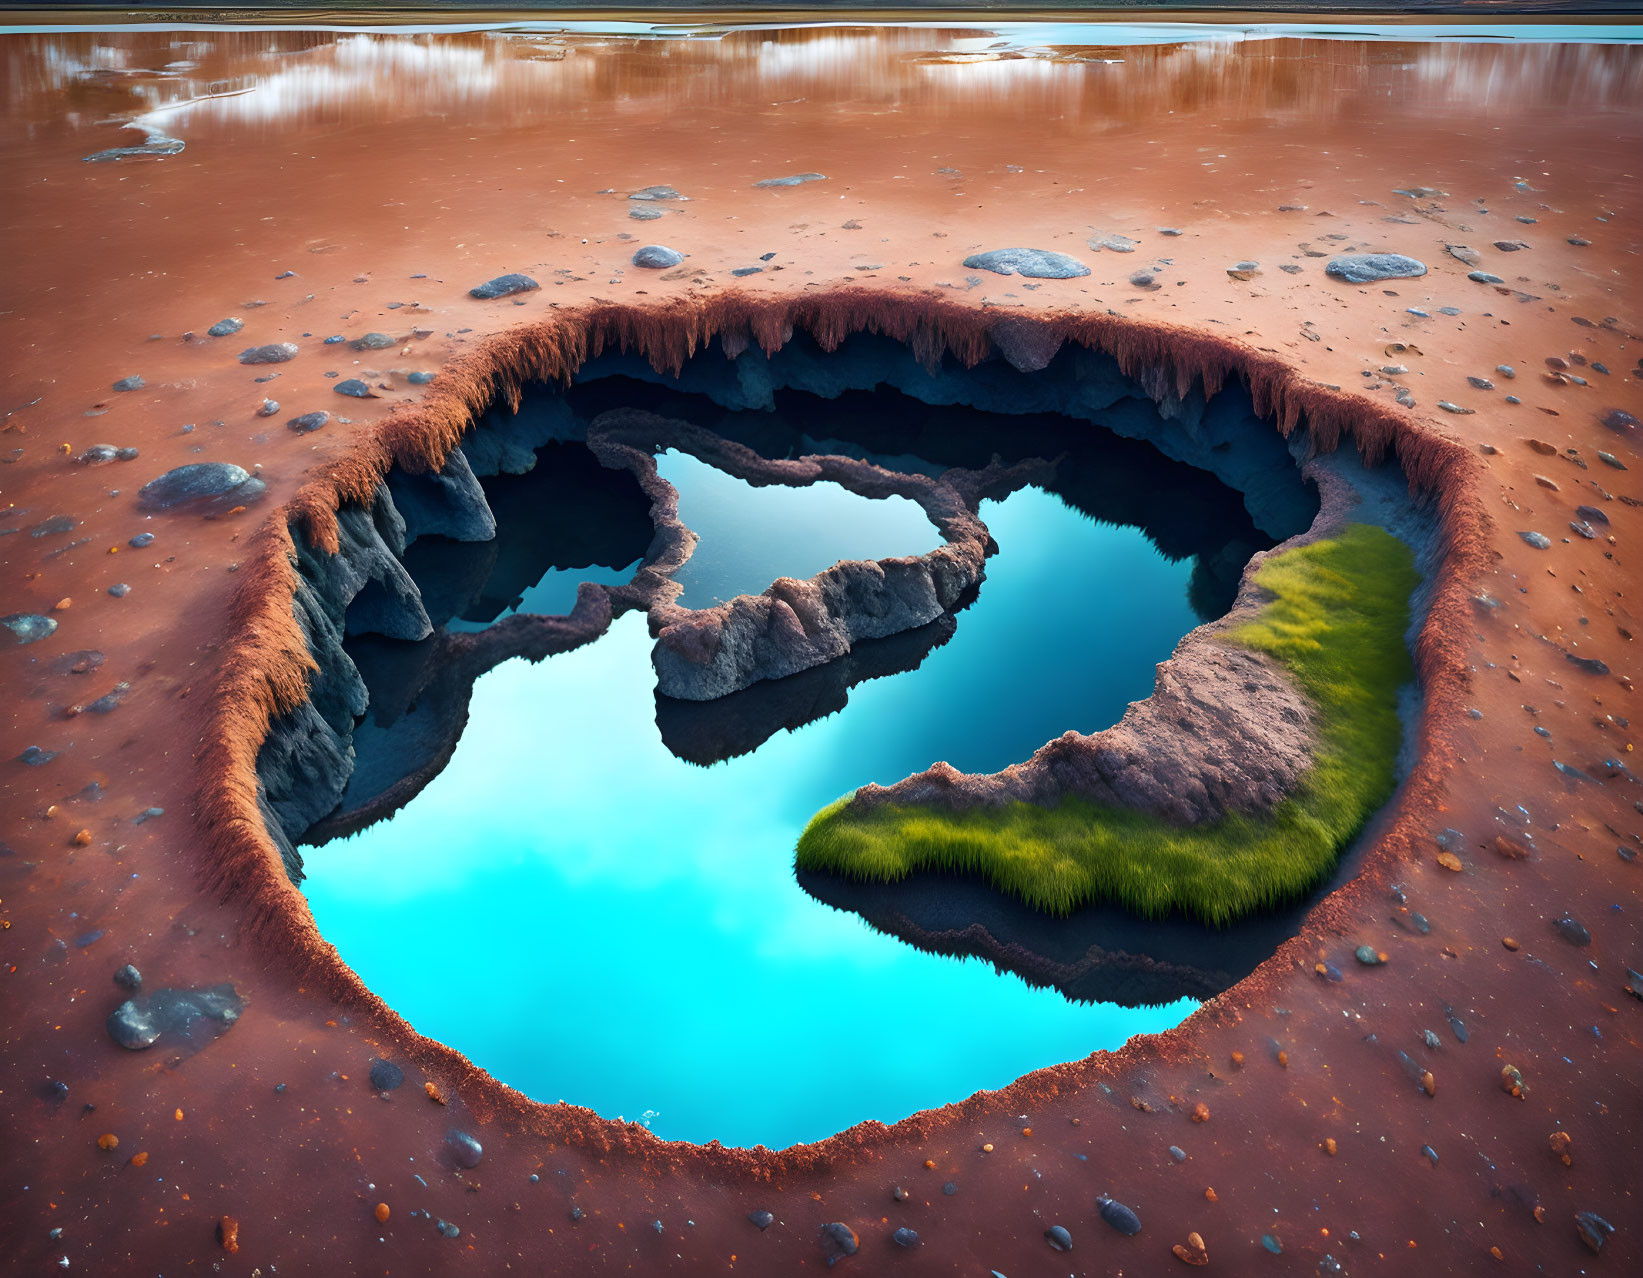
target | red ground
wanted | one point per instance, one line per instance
(464, 159)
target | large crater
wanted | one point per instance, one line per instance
(550, 520)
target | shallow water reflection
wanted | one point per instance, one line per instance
(1057, 75)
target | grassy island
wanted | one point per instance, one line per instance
(1336, 623)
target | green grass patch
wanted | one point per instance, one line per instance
(1336, 623)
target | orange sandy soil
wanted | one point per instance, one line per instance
(463, 158)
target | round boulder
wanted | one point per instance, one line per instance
(657, 257)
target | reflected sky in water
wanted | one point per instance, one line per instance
(590, 918)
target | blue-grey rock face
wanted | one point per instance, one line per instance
(209, 485)
(503, 286)
(185, 1018)
(657, 257)
(273, 353)
(27, 627)
(226, 327)
(1367, 268)
(1038, 264)
(354, 388)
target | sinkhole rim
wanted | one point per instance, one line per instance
(268, 664)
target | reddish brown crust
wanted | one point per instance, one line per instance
(266, 672)
(1125, 150)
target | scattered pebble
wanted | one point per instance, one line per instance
(273, 353)
(464, 1149)
(503, 286)
(1119, 1216)
(657, 257)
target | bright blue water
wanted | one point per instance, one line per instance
(591, 919)
(751, 536)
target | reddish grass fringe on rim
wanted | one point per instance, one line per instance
(268, 666)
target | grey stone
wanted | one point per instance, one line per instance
(1037, 264)
(268, 408)
(386, 1076)
(273, 353)
(503, 286)
(1058, 1238)
(644, 213)
(307, 423)
(658, 193)
(905, 1237)
(372, 342)
(186, 1018)
(657, 257)
(207, 485)
(28, 627)
(1572, 930)
(134, 382)
(1484, 277)
(464, 1149)
(356, 389)
(420, 378)
(838, 1239)
(1540, 541)
(1367, 268)
(128, 977)
(53, 526)
(1593, 1229)
(798, 179)
(226, 327)
(1119, 1216)
(761, 1218)
(1112, 241)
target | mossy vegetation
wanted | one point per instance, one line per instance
(1336, 623)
